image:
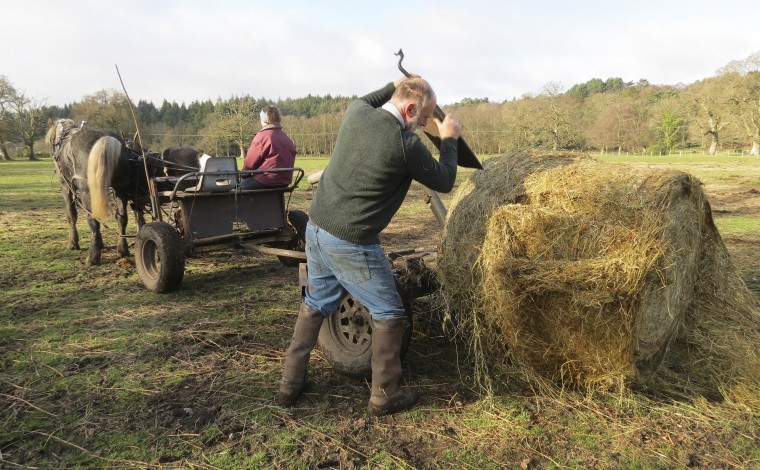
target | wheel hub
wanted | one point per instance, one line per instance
(353, 324)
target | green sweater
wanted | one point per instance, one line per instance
(372, 166)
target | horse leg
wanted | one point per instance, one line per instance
(69, 199)
(122, 248)
(96, 242)
(139, 216)
(96, 239)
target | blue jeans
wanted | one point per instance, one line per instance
(337, 266)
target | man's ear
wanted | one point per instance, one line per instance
(410, 109)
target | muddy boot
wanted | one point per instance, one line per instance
(387, 395)
(297, 358)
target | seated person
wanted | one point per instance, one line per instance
(270, 148)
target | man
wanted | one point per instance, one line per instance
(270, 148)
(376, 157)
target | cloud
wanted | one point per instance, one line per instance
(195, 50)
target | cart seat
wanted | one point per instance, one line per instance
(217, 174)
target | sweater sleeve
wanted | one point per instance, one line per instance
(379, 97)
(437, 175)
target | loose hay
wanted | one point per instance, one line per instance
(585, 273)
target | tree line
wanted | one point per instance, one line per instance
(612, 115)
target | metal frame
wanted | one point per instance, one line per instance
(209, 221)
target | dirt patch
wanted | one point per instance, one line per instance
(731, 201)
(414, 226)
(185, 408)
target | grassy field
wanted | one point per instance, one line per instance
(97, 372)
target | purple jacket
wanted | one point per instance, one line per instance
(271, 148)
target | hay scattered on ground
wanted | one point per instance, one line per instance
(585, 273)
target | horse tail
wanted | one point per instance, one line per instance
(101, 164)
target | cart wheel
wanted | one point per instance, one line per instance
(346, 337)
(298, 219)
(159, 257)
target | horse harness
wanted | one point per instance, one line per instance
(166, 165)
(65, 161)
(61, 152)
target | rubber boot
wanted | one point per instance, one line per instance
(304, 339)
(387, 395)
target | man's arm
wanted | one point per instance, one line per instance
(383, 95)
(437, 175)
(379, 97)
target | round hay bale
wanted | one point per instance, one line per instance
(717, 345)
(575, 270)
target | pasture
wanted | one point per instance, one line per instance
(95, 371)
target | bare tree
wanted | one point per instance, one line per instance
(614, 122)
(744, 75)
(751, 121)
(6, 124)
(746, 104)
(518, 119)
(29, 119)
(483, 124)
(561, 117)
(742, 67)
(315, 135)
(105, 109)
(21, 117)
(235, 121)
(709, 109)
(711, 126)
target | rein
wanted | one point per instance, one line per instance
(159, 162)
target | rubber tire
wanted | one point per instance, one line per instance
(345, 338)
(298, 219)
(159, 257)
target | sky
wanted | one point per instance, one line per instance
(192, 50)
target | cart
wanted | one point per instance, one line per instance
(204, 211)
